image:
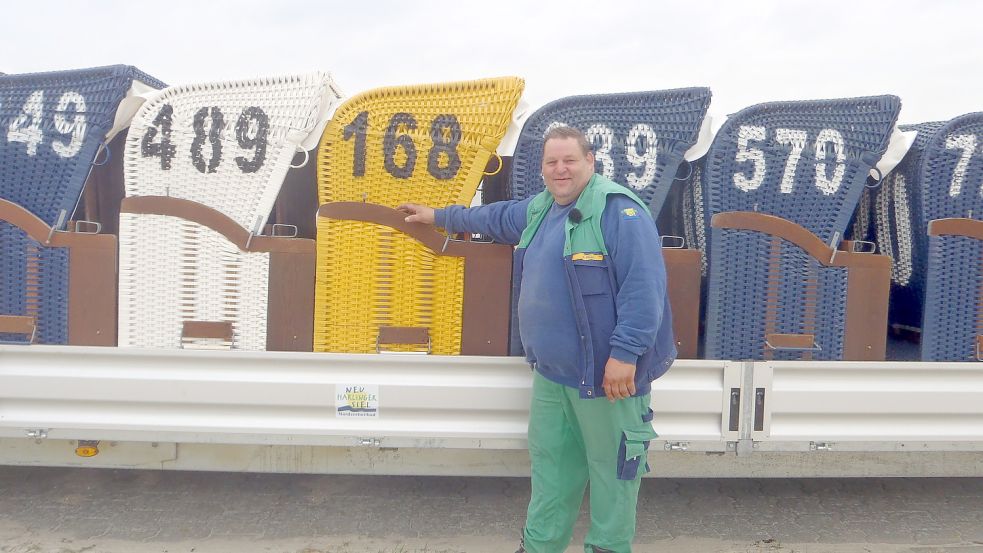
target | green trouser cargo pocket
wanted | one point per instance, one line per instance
(634, 443)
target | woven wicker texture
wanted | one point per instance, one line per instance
(803, 161)
(639, 138)
(33, 283)
(426, 144)
(953, 312)
(226, 145)
(52, 125)
(172, 270)
(951, 174)
(763, 285)
(369, 276)
(890, 216)
(695, 225)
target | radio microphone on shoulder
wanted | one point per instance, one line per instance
(575, 216)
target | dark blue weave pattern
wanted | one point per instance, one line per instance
(806, 162)
(941, 196)
(43, 165)
(824, 209)
(895, 223)
(738, 312)
(951, 184)
(674, 118)
(34, 283)
(51, 127)
(952, 312)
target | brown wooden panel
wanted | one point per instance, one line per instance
(487, 303)
(17, 324)
(868, 290)
(92, 289)
(290, 312)
(217, 330)
(683, 279)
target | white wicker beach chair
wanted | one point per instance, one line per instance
(204, 166)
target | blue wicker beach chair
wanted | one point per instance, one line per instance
(951, 204)
(782, 182)
(639, 138)
(639, 141)
(53, 283)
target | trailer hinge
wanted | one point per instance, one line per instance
(368, 442)
(37, 433)
(677, 446)
(820, 446)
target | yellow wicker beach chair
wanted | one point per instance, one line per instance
(378, 287)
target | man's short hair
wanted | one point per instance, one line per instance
(563, 132)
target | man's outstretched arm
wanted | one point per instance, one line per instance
(502, 221)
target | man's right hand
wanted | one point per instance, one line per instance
(417, 213)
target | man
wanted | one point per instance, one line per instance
(594, 321)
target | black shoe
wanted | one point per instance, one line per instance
(522, 542)
(597, 549)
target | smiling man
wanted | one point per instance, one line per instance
(594, 322)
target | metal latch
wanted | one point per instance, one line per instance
(820, 446)
(369, 442)
(677, 446)
(37, 433)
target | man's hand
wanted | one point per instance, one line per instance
(619, 379)
(417, 213)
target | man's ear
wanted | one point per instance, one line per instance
(590, 157)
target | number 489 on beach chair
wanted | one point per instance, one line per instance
(204, 165)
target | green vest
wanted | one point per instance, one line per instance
(580, 238)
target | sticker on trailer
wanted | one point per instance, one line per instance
(357, 400)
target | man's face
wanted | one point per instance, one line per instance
(566, 169)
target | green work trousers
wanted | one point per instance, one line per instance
(573, 441)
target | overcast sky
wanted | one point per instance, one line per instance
(930, 53)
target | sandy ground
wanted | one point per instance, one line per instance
(60, 510)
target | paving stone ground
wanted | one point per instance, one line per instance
(70, 510)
